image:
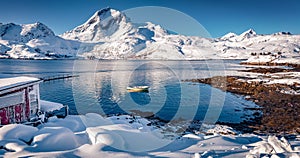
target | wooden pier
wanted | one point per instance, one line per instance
(58, 77)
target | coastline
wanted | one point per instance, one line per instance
(280, 107)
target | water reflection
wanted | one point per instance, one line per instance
(101, 87)
(111, 97)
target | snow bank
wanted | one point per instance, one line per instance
(72, 122)
(13, 145)
(124, 137)
(54, 139)
(18, 132)
(91, 135)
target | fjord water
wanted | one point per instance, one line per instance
(101, 86)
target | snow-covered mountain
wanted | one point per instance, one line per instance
(123, 39)
(105, 25)
(109, 34)
(228, 36)
(33, 41)
(279, 47)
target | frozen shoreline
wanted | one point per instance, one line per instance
(92, 135)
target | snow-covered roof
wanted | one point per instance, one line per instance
(15, 82)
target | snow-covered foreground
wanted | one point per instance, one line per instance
(91, 135)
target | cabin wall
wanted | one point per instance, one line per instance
(20, 105)
(13, 107)
(34, 99)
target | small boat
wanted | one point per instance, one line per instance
(138, 89)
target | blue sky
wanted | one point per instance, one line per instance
(217, 16)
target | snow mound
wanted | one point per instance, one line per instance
(72, 122)
(120, 131)
(124, 137)
(54, 139)
(13, 145)
(17, 131)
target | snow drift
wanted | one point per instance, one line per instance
(125, 136)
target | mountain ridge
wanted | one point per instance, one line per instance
(110, 34)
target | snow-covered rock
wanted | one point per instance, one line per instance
(272, 146)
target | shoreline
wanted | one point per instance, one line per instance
(280, 110)
(293, 65)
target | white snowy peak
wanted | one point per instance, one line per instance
(24, 33)
(228, 36)
(248, 34)
(35, 41)
(36, 30)
(104, 25)
(157, 30)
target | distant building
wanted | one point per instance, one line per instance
(19, 99)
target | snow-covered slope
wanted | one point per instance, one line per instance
(109, 34)
(121, 39)
(33, 41)
(228, 36)
(106, 24)
(279, 47)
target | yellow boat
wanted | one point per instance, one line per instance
(138, 89)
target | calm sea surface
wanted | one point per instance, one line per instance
(101, 87)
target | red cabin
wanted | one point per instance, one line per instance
(19, 99)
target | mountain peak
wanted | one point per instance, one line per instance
(105, 24)
(104, 10)
(228, 36)
(249, 32)
(102, 14)
(37, 28)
